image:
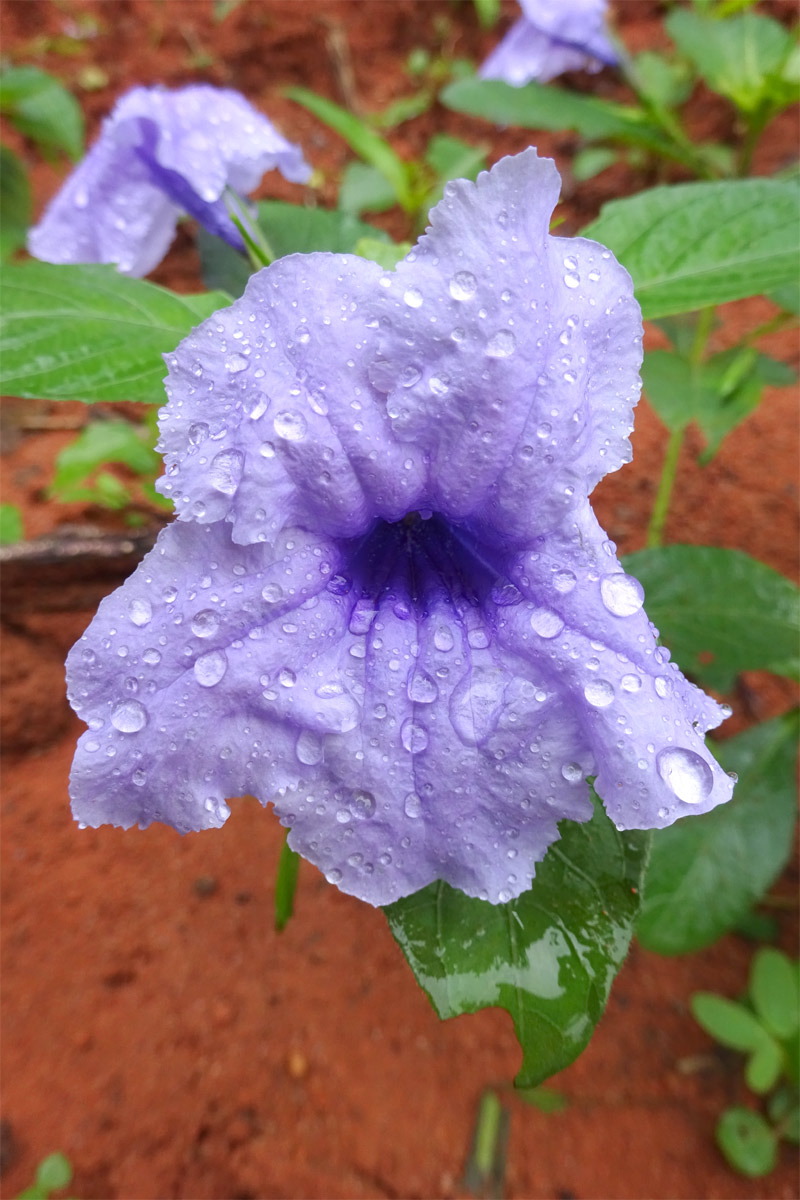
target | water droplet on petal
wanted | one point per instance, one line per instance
(685, 773)
(412, 806)
(572, 772)
(414, 737)
(413, 297)
(631, 683)
(235, 363)
(622, 594)
(129, 717)
(272, 593)
(205, 623)
(463, 285)
(476, 703)
(362, 804)
(546, 623)
(506, 594)
(226, 471)
(291, 426)
(421, 688)
(564, 582)
(443, 639)
(140, 611)
(152, 657)
(308, 748)
(502, 344)
(599, 693)
(286, 677)
(210, 668)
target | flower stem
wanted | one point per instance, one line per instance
(658, 517)
(285, 886)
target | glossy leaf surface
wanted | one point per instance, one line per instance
(41, 108)
(548, 958)
(705, 872)
(695, 244)
(90, 333)
(720, 611)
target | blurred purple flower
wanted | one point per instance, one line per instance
(386, 604)
(552, 36)
(160, 154)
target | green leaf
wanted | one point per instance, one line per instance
(729, 1023)
(784, 1110)
(291, 229)
(720, 611)
(11, 529)
(488, 11)
(547, 1100)
(548, 957)
(42, 109)
(763, 1068)
(364, 189)
(286, 886)
(747, 58)
(747, 1142)
(366, 143)
(385, 254)
(664, 82)
(54, 1172)
(540, 106)
(787, 297)
(221, 266)
(90, 333)
(717, 395)
(99, 443)
(774, 991)
(451, 158)
(706, 871)
(691, 245)
(591, 161)
(15, 202)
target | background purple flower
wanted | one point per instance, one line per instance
(161, 153)
(551, 37)
(386, 604)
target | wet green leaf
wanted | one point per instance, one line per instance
(705, 872)
(15, 202)
(774, 991)
(691, 245)
(11, 529)
(548, 958)
(90, 333)
(720, 611)
(291, 229)
(42, 109)
(747, 1142)
(100, 443)
(729, 1023)
(385, 254)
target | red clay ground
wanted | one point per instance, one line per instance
(156, 1029)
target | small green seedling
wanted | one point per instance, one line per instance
(52, 1174)
(765, 1026)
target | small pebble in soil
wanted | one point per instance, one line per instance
(297, 1064)
(205, 885)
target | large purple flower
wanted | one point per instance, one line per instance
(551, 37)
(161, 153)
(386, 604)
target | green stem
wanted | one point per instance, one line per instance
(658, 517)
(285, 886)
(755, 127)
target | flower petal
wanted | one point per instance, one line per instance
(272, 419)
(522, 350)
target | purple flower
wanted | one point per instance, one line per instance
(553, 36)
(161, 153)
(386, 604)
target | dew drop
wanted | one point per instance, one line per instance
(506, 594)
(334, 875)
(631, 683)
(622, 594)
(210, 668)
(502, 344)
(662, 686)
(272, 593)
(412, 806)
(291, 426)
(235, 363)
(129, 717)
(308, 748)
(421, 688)
(478, 639)
(414, 737)
(152, 657)
(685, 773)
(413, 297)
(226, 471)
(362, 804)
(140, 611)
(572, 772)
(443, 639)
(599, 693)
(286, 677)
(546, 623)
(476, 704)
(205, 624)
(463, 285)
(564, 582)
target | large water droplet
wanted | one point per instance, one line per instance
(412, 806)
(631, 683)
(235, 363)
(501, 344)
(421, 688)
(546, 623)
(564, 582)
(140, 611)
(291, 426)
(506, 594)
(414, 737)
(205, 624)
(572, 772)
(599, 693)
(476, 704)
(685, 773)
(622, 594)
(309, 748)
(226, 471)
(463, 285)
(362, 804)
(272, 593)
(413, 297)
(443, 638)
(210, 668)
(129, 717)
